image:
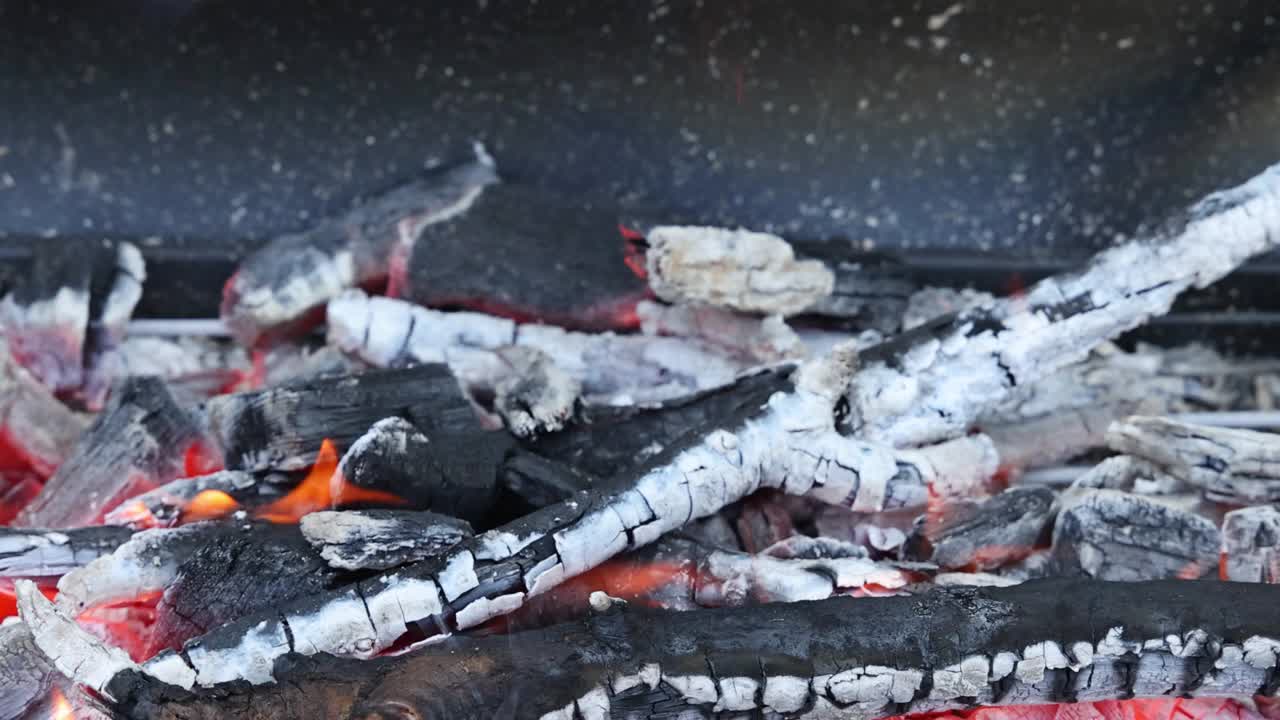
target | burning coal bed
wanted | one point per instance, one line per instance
(546, 465)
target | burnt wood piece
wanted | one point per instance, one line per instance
(140, 438)
(526, 253)
(256, 568)
(34, 423)
(912, 391)
(1229, 465)
(26, 675)
(1251, 545)
(788, 443)
(163, 506)
(1114, 535)
(952, 648)
(50, 553)
(275, 290)
(985, 535)
(75, 299)
(282, 428)
(381, 539)
(451, 468)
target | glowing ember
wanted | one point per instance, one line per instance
(200, 460)
(9, 601)
(323, 488)
(61, 707)
(208, 505)
(127, 624)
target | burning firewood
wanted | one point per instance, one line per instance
(612, 369)
(738, 270)
(42, 430)
(1251, 545)
(276, 287)
(1231, 466)
(381, 539)
(835, 658)
(50, 553)
(140, 439)
(75, 300)
(934, 382)
(985, 535)
(526, 253)
(1114, 535)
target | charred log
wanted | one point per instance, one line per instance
(935, 381)
(1251, 545)
(525, 253)
(381, 539)
(50, 553)
(276, 287)
(864, 658)
(988, 534)
(141, 437)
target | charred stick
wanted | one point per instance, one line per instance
(935, 381)
(1049, 641)
(1229, 465)
(50, 553)
(526, 253)
(1251, 545)
(789, 443)
(381, 539)
(276, 287)
(140, 438)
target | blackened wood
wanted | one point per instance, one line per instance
(49, 553)
(539, 481)
(381, 539)
(274, 289)
(282, 428)
(448, 468)
(141, 438)
(1114, 535)
(1251, 545)
(1047, 641)
(987, 534)
(528, 253)
(39, 428)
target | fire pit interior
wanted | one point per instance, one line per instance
(648, 361)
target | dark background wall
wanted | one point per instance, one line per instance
(1016, 127)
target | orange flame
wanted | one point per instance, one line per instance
(61, 707)
(323, 488)
(209, 505)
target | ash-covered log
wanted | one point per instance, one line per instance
(1235, 466)
(988, 534)
(381, 539)
(276, 288)
(1051, 641)
(526, 253)
(139, 441)
(1114, 535)
(934, 382)
(75, 300)
(789, 443)
(738, 270)
(34, 423)
(1251, 545)
(282, 428)
(27, 552)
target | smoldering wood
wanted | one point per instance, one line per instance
(837, 658)
(381, 539)
(29, 552)
(1130, 474)
(612, 369)
(759, 340)
(33, 422)
(527, 253)
(1229, 465)
(737, 270)
(282, 428)
(163, 506)
(988, 534)
(140, 438)
(1114, 535)
(935, 381)
(1251, 545)
(452, 467)
(789, 443)
(275, 287)
(201, 366)
(762, 522)
(77, 295)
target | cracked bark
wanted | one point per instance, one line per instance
(934, 382)
(1044, 641)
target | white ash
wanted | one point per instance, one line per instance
(974, 579)
(74, 652)
(929, 303)
(35, 422)
(534, 396)
(943, 382)
(1131, 474)
(1230, 465)
(755, 339)
(735, 269)
(201, 365)
(727, 579)
(1251, 545)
